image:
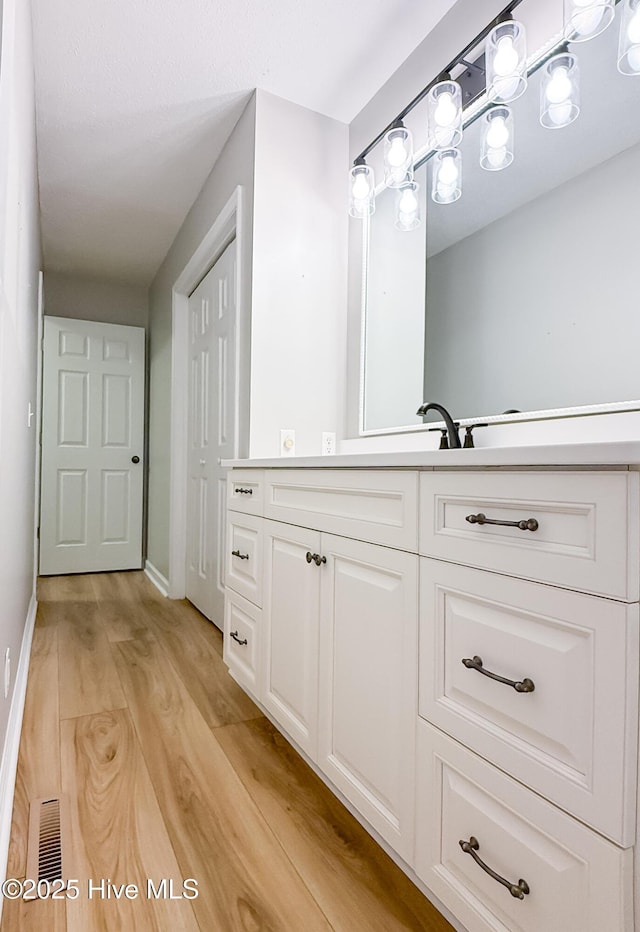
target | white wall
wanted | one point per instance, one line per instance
(19, 266)
(298, 315)
(102, 300)
(234, 167)
(290, 163)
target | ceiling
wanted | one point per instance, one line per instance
(135, 101)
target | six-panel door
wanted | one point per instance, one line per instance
(92, 447)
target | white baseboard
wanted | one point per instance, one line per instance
(9, 764)
(159, 581)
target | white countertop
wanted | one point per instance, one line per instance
(603, 453)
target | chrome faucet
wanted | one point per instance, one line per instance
(454, 437)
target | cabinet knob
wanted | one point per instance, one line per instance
(315, 558)
(241, 556)
(234, 635)
(135, 459)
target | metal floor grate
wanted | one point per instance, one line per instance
(47, 824)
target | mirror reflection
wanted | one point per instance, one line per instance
(521, 295)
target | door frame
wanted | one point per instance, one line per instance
(229, 224)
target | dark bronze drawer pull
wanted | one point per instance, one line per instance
(244, 491)
(527, 524)
(520, 686)
(242, 556)
(518, 890)
(315, 558)
(234, 635)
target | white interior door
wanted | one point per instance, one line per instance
(212, 429)
(92, 447)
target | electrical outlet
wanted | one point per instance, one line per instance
(7, 671)
(287, 442)
(328, 443)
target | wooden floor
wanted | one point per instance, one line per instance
(170, 771)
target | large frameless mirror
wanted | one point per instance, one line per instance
(523, 294)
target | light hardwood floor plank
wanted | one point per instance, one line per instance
(218, 834)
(38, 772)
(88, 678)
(122, 621)
(190, 643)
(129, 586)
(357, 885)
(35, 916)
(118, 833)
(65, 589)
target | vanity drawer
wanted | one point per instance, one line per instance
(379, 506)
(241, 638)
(587, 526)
(573, 737)
(577, 881)
(244, 556)
(245, 491)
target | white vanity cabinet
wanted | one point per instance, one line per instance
(458, 653)
(337, 637)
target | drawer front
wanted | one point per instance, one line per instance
(370, 505)
(587, 526)
(570, 728)
(245, 491)
(577, 881)
(241, 641)
(244, 556)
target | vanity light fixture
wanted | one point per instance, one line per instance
(407, 207)
(585, 19)
(497, 139)
(629, 43)
(398, 156)
(444, 114)
(361, 190)
(447, 176)
(560, 91)
(506, 61)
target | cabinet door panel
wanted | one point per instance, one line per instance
(368, 665)
(291, 648)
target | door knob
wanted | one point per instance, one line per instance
(135, 459)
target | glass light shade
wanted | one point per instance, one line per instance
(407, 207)
(446, 176)
(629, 43)
(444, 114)
(506, 62)
(560, 91)
(398, 157)
(362, 186)
(584, 19)
(497, 139)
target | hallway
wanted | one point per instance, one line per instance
(170, 771)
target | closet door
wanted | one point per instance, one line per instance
(211, 431)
